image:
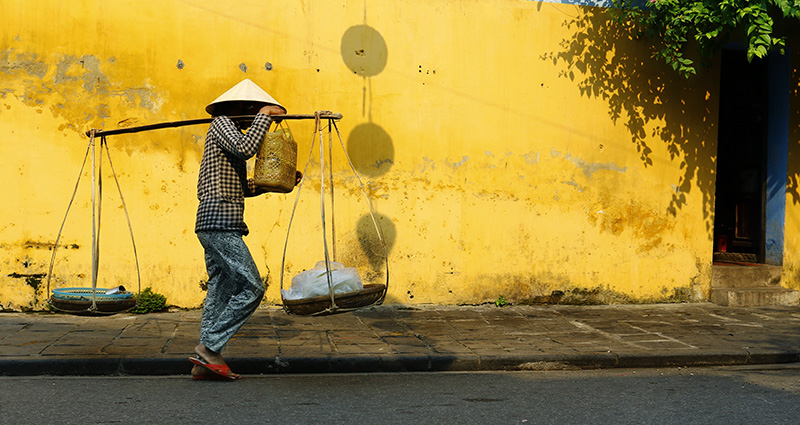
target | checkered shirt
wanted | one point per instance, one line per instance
(222, 184)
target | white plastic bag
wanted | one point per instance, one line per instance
(314, 282)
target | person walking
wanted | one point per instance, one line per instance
(235, 288)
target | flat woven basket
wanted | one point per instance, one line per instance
(276, 162)
(371, 293)
(79, 300)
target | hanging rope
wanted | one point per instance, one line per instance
(127, 218)
(371, 212)
(97, 199)
(328, 274)
(71, 200)
(319, 133)
(333, 207)
(294, 207)
(97, 194)
(96, 214)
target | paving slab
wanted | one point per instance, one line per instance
(403, 338)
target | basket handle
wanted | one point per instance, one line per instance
(284, 128)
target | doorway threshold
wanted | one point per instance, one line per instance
(736, 258)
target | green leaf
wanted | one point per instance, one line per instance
(679, 23)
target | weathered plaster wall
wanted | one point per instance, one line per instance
(791, 252)
(510, 147)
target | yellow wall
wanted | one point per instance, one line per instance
(791, 253)
(510, 147)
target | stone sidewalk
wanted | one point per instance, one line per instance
(391, 338)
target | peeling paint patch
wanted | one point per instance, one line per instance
(589, 168)
(77, 78)
(456, 165)
(576, 185)
(22, 62)
(428, 164)
(380, 162)
(531, 158)
(645, 225)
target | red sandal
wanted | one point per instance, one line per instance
(219, 371)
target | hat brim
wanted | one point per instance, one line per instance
(245, 91)
(219, 108)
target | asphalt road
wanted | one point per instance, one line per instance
(619, 396)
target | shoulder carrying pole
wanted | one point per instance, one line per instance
(276, 118)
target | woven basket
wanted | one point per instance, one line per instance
(79, 300)
(344, 301)
(276, 162)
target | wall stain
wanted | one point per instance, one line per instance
(78, 79)
(456, 165)
(589, 168)
(515, 286)
(34, 280)
(380, 162)
(647, 225)
(531, 158)
(39, 245)
(578, 187)
(605, 296)
(553, 288)
(28, 63)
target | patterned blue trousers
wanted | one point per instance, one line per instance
(235, 288)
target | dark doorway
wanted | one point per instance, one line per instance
(739, 218)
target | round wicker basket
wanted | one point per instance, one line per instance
(79, 300)
(344, 302)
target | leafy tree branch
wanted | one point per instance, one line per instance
(677, 23)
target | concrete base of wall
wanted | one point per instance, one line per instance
(754, 297)
(750, 285)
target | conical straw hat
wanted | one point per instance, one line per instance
(246, 91)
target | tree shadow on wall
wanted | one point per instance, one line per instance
(793, 160)
(606, 62)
